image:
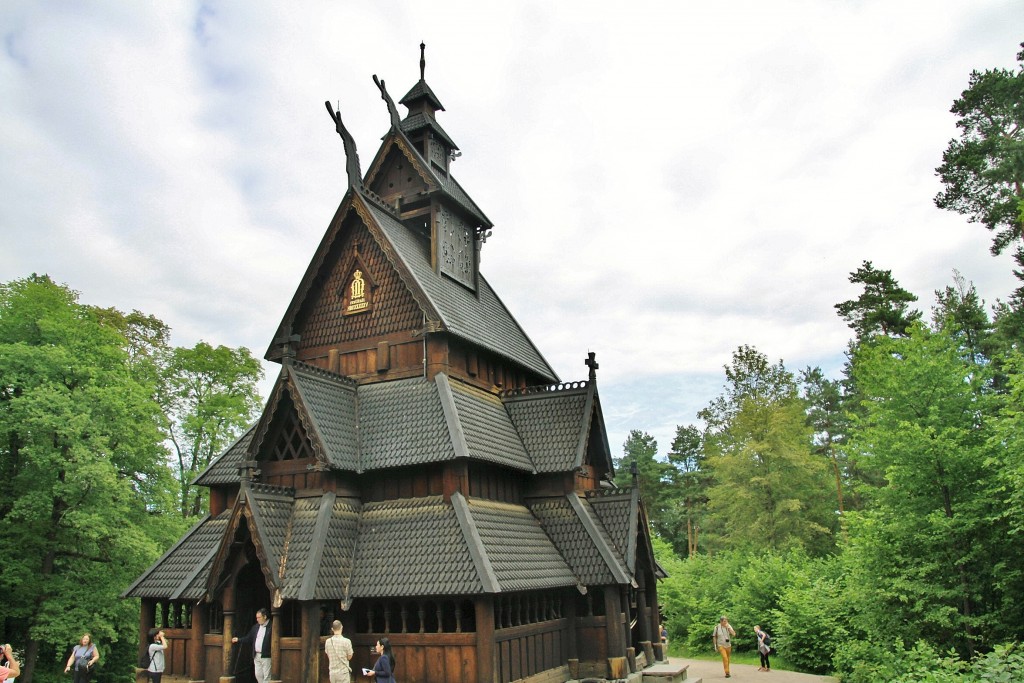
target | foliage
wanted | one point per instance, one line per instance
(829, 423)
(812, 615)
(84, 471)
(983, 171)
(883, 307)
(209, 395)
(935, 528)
(690, 479)
(769, 491)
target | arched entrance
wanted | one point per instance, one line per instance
(250, 593)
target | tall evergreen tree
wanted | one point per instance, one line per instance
(982, 171)
(883, 307)
(829, 423)
(691, 479)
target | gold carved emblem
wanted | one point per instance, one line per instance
(357, 302)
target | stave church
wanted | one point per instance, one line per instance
(418, 472)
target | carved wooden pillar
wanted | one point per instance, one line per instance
(485, 653)
(196, 649)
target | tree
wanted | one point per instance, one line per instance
(883, 308)
(934, 534)
(209, 395)
(770, 492)
(84, 471)
(652, 475)
(960, 312)
(983, 171)
(827, 418)
(690, 480)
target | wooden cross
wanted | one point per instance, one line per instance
(591, 363)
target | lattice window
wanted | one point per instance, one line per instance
(291, 442)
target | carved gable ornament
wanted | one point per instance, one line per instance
(357, 293)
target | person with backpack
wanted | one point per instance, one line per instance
(155, 653)
(764, 648)
(83, 657)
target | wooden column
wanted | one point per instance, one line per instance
(147, 619)
(227, 674)
(275, 645)
(571, 648)
(196, 667)
(310, 642)
(643, 616)
(613, 622)
(485, 652)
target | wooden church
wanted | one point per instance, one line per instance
(419, 472)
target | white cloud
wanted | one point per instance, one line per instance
(668, 180)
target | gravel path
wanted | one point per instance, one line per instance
(745, 673)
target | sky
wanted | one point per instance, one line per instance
(667, 180)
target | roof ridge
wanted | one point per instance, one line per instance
(378, 201)
(558, 387)
(324, 372)
(264, 490)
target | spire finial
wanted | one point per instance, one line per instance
(591, 362)
(423, 59)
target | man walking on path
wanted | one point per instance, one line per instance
(722, 638)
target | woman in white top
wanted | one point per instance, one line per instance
(157, 660)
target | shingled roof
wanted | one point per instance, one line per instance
(326, 547)
(186, 565)
(416, 421)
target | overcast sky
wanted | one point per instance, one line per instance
(667, 180)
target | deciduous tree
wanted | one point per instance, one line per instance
(83, 469)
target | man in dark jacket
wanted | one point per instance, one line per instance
(258, 638)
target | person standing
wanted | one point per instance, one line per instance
(764, 648)
(9, 666)
(157, 660)
(258, 638)
(339, 652)
(83, 657)
(722, 638)
(384, 668)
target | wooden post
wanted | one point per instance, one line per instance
(226, 673)
(310, 642)
(569, 612)
(631, 659)
(275, 645)
(617, 668)
(196, 668)
(484, 638)
(613, 622)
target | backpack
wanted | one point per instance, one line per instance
(767, 639)
(145, 658)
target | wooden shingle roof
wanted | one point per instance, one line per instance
(417, 421)
(325, 547)
(182, 571)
